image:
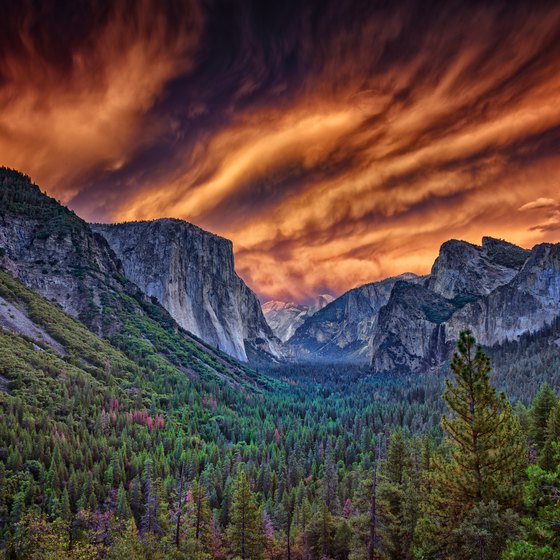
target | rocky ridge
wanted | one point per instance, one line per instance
(497, 290)
(343, 329)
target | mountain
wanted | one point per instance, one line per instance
(284, 318)
(343, 329)
(57, 254)
(463, 268)
(191, 273)
(497, 290)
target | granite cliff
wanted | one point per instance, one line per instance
(343, 329)
(191, 273)
(497, 290)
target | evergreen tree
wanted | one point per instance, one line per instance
(330, 480)
(486, 449)
(202, 516)
(321, 533)
(150, 519)
(553, 424)
(398, 498)
(123, 507)
(342, 541)
(245, 528)
(539, 414)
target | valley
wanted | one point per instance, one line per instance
(149, 411)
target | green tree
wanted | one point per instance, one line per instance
(485, 444)
(342, 541)
(539, 414)
(321, 533)
(398, 498)
(541, 525)
(245, 528)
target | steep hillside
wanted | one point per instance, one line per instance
(191, 273)
(56, 253)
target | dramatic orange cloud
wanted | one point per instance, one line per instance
(335, 145)
(58, 123)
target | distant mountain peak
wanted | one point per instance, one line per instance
(284, 318)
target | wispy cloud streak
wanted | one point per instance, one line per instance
(334, 144)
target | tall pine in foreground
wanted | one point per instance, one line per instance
(486, 453)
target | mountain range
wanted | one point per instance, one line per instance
(409, 324)
(112, 276)
(284, 318)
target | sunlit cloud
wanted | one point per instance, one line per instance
(60, 121)
(333, 147)
(539, 203)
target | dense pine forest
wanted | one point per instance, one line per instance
(107, 450)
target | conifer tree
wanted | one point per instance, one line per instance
(398, 498)
(123, 507)
(245, 528)
(202, 516)
(539, 413)
(330, 480)
(150, 522)
(342, 541)
(486, 448)
(553, 424)
(321, 532)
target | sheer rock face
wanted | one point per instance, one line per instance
(191, 273)
(410, 333)
(343, 329)
(527, 303)
(284, 318)
(463, 268)
(498, 290)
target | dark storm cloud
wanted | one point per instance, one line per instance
(335, 143)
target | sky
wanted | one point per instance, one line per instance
(335, 143)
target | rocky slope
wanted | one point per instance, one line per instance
(54, 252)
(284, 318)
(342, 330)
(191, 273)
(497, 290)
(51, 250)
(463, 268)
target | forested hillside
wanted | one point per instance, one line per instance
(140, 448)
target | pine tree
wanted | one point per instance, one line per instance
(553, 424)
(398, 498)
(202, 516)
(330, 480)
(539, 412)
(180, 504)
(245, 528)
(150, 521)
(65, 512)
(321, 532)
(374, 505)
(486, 447)
(123, 507)
(342, 541)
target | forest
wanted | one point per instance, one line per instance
(109, 452)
